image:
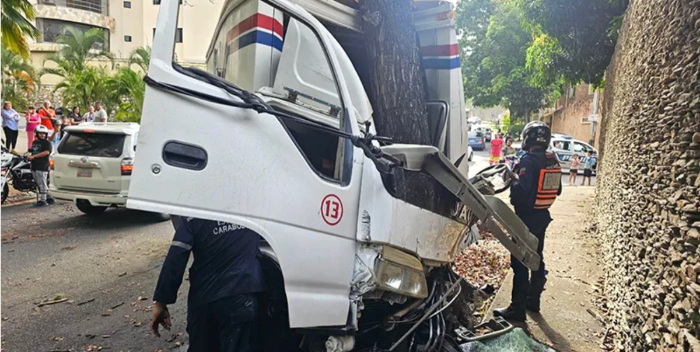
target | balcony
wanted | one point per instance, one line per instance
(97, 6)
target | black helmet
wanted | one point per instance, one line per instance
(536, 133)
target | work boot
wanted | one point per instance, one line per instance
(516, 309)
(40, 203)
(50, 201)
(534, 293)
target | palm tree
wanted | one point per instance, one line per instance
(18, 78)
(82, 83)
(84, 87)
(16, 17)
(77, 50)
(141, 56)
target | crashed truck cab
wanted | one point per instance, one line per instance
(262, 139)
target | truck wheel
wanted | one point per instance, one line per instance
(5, 192)
(89, 209)
(160, 217)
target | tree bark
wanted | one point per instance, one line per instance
(397, 83)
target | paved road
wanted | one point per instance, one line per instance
(99, 262)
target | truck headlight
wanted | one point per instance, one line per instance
(401, 273)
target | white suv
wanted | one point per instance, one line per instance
(92, 165)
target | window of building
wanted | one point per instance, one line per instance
(157, 2)
(127, 38)
(127, 4)
(52, 29)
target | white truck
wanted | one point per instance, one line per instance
(276, 136)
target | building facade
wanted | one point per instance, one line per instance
(127, 24)
(577, 114)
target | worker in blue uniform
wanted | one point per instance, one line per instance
(537, 187)
(225, 276)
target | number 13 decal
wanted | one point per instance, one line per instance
(331, 209)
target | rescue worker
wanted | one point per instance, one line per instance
(225, 276)
(538, 185)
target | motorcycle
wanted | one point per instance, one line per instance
(16, 172)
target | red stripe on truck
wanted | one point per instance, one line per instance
(257, 20)
(440, 50)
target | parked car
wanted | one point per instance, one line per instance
(566, 147)
(92, 166)
(561, 136)
(476, 140)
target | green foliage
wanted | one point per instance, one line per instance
(84, 88)
(574, 38)
(141, 57)
(129, 88)
(516, 129)
(16, 24)
(505, 122)
(494, 57)
(18, 79)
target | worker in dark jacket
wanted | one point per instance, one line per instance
(538, 185)
(224, 277)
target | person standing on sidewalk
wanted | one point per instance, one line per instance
(39, 158)
(496, 145)
(588, 165)
(33, 120)
(222, 306)
(47, 116)
(90, 115)
(538, 185)
(10, 118)
(100, 113)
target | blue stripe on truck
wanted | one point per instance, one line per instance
(440, 63)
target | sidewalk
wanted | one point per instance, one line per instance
(571, 257)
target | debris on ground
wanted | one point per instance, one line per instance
(484, 263)
(60, 298)
(86, 302)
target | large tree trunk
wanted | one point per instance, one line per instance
(399, 94)
(397, 84)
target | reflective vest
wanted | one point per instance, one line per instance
(548, 184)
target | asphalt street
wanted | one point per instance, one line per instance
(104, 267)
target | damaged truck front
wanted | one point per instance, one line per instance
(276, 135)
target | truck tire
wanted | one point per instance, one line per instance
(160, 217)
(89, 209)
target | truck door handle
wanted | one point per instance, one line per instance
(185, 156)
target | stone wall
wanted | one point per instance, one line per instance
(648, 196)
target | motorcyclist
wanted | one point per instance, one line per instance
(538, 185)
(39, 158)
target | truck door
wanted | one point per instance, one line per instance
(295, 185)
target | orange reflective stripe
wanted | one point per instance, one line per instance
(544, 201)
